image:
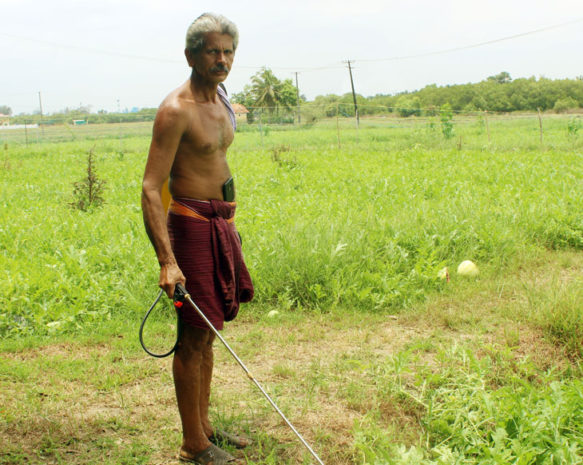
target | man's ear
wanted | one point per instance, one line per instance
(189, 57)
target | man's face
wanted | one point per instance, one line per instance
(213, 62)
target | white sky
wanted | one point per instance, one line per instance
(55, 46)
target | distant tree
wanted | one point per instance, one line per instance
(522, 94)
(265, 89)
(5, 110)
(244, 97)
(80, 110)
(383, 102)
(269, 92)
(288, 94)
(479, 103)
(565, 104)
(408, 105)
(326, 105)
(501, 78)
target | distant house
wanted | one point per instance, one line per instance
(79, 122)
(240, 111)
(4, 119)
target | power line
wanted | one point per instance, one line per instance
(480, 44)
(439, 52)
(336, 65)
(84, 49)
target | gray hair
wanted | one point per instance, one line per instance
(209, 22)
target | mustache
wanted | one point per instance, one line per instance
(224, 68)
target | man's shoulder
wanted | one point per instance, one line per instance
(172, 117)
(178, 107)
(177, 103)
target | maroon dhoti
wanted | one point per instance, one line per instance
(207, 248)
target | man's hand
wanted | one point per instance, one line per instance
(170, 276)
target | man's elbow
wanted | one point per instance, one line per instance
(150, 189)
(149, 195)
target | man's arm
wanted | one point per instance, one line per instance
(169, 127)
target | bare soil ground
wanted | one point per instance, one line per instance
(79, 403)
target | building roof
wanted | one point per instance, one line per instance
(238, 108)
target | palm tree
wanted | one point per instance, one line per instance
(266, 89)
(271, 93)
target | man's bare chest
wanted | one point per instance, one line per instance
(210, 130)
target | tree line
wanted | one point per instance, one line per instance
(274, 100)
(268, 96)
(67, 116)
(498, 93)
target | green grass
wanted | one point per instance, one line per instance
(365, 226)
(374, 357)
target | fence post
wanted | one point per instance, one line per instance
(337, 127)
(119, 113)
(487, 126)
(261, 127)
(540, 124)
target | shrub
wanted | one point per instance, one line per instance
(446, 117)
(88, 192)
(573, 126)
(564, 104)
(409, 106)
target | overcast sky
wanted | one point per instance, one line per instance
(100, 51)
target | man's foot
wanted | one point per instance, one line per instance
(222, 437)
(212, 455)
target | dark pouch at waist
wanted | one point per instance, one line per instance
(229, 190)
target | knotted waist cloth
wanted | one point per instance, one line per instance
(207, 248)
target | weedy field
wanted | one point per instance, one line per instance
(373, 357)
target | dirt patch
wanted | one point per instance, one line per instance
(324, 371)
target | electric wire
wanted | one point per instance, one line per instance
(336, 65)
(479, 44)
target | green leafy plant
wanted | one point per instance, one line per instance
(446, 117)
(573, 126)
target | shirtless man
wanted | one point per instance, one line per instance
(192, 131)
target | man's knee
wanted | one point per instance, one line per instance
(194, 340)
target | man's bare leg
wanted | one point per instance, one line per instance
(191, 376)
(205, 392)
(205, 385)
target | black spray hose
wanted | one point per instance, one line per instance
(178, 328)
(181, 295)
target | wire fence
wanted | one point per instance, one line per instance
(339, 118)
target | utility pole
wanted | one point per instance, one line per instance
(40, 102)
(353, 95)
(298, 98)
